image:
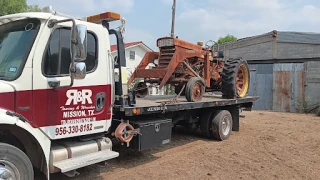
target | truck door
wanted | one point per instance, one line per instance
(84, 108)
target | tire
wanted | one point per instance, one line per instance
(205, 123)
(194, 84)
(15, 162)
(230, 89)
(216, 125)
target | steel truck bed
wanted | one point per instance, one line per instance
(163, 104)
(155, 116)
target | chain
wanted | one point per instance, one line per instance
(172, 101)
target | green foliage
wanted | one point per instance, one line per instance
(227, 38)
(170, 90)
(33, 8)
(302, 105)
(16, 6)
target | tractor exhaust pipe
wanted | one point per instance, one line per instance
(173, 17)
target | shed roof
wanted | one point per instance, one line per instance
(283, 36)
(131, 44)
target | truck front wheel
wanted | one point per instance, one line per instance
(216, 125)
(14, 164)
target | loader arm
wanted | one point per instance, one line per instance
(149, 57)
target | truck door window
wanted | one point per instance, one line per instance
(57, 58)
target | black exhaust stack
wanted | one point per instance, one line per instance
(120, 99)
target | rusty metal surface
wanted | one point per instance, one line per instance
(169, 60)
(289, 87)
(183, 44)
(149, 57)
(281, 87)
(178, 62)
(179, 56)
(281, 100)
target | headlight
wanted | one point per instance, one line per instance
(165, 42)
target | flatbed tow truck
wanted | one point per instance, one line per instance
(62, 105)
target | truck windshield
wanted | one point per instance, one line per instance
(16, 40)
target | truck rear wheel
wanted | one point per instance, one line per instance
(235, 79)
(216, 125)
(195, 89)
(14, 164)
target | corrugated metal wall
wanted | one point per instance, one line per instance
(312, 85)
(288, 85)
(261, 79)
(279, 86)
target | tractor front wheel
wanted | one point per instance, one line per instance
(195, 89)
(235, 79)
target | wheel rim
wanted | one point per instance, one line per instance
(8, 171)
(197, 91)
(242, 79)
(226, 126)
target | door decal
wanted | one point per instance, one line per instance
(78, 105)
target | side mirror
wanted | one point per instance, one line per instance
(80, 70)
(78, 52)
(79, 43)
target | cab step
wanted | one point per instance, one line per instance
(86, 160)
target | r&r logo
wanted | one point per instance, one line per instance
(75, 96)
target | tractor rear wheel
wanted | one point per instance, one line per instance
(195, 89)
(235, 79)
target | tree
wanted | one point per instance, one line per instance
(227, 38)
(16, 6)
(33, 8)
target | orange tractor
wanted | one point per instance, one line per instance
(192, 70)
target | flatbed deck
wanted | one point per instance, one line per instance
(165, 103)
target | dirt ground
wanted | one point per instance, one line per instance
(269, 146)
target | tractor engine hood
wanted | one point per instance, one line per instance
(6, 96)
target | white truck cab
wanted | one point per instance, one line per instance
(56, 91)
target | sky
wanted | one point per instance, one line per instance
(198, 20)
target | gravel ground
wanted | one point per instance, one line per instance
(269, 146)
